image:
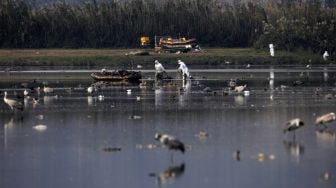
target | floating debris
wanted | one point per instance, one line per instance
(134, 117)
(202, 135)
(40, 127)
(48, 89)
(138, 98)
(327, 176)
(207, 89)
(112, 149)
(143, 85)
(39, 117)
(129, 91)
(101, 97)
(139, 146)
(151, 146)
(298, 83)
(271, 157)
(261, 157)
(148, 146)
(236, 155)
(328, 97)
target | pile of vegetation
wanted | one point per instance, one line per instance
(289, 25)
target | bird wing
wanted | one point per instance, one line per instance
(14, 104)
(174, 143)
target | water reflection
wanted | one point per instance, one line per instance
(158, 96)
(169, 175)
(294, 148)
(47, 100)
(90, 100)
(185, 92)
(325, 74)
(9, 128)
(239, 100)
(324, 136)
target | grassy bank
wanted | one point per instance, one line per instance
(211, 57)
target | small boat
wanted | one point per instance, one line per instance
(175, 45)
(117, 75)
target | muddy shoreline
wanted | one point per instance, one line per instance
(212, 58)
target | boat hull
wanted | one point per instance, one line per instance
(117, 76)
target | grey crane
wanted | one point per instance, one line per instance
(13, 104)
(170, 142)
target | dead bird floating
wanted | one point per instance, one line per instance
(293, 124)
(324, 119)
(239, 89)
(170, 142)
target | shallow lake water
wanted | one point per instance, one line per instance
(107, 139)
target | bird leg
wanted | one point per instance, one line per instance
(294, 137)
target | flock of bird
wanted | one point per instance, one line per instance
(173, 143)
(322, 120)
(17, 103)
(166, 140)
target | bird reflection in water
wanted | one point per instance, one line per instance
(239, 100)
(184, 92)
(324, 136)
(158, 96)
(169, 175)
(294, 148)
(47, 100)
(90, 100)
(9, 127)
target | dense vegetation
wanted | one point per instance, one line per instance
(289, 24)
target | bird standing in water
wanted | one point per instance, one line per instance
(325, 55)
(293, 124)
(324, 119)
(170, 142)
(13, 104)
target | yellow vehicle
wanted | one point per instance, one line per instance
(144, 41)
